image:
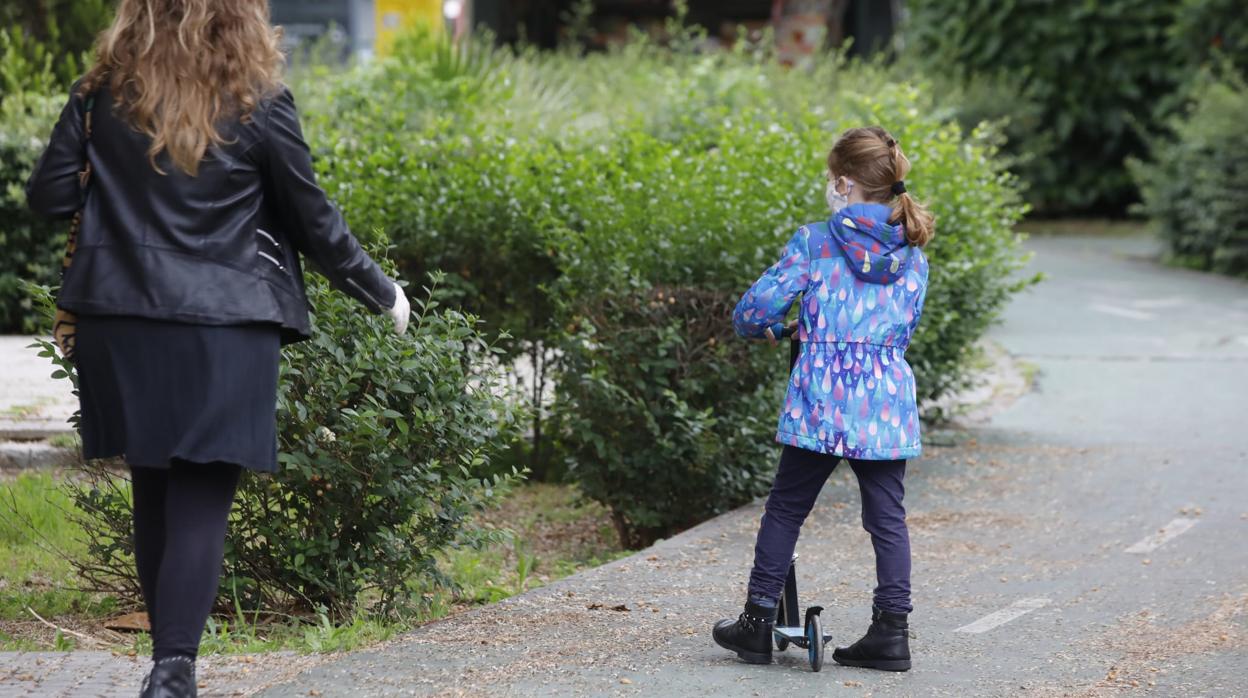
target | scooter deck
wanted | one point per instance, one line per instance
(798, 633)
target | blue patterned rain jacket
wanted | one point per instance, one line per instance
(851, 392)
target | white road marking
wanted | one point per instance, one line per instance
(1159, 303)
(1165, 534)
(1122, 312)
(1014, 611)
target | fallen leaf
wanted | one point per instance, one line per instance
(129, 623)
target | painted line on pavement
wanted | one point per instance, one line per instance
(1165, 534)
(1122, 312)
(1014, 611)
(1159, 303)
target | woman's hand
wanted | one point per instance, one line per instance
(401, 313)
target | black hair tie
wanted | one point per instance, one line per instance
(899, 188)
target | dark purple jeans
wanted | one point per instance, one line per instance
(801, 477)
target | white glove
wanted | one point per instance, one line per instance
(401, 313)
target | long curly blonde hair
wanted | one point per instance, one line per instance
(180, 69)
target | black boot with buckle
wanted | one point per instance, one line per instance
(886, 645)
(171, 677)
(750, 634)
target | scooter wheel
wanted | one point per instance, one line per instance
(814, 642)
(782, 643)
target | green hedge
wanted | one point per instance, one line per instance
(1207, 32)
(51, 34)
(1095, 74)
(34, 75)
(386, 449)
(32, 246)
(565, 195)
(1193, 185)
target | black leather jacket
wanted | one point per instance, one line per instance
(219, 248)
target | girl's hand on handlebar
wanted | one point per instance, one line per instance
(777, 332)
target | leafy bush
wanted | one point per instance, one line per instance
(1097, 69)
(666, 414)
(565, 194)
(32, 245)
(385, 443)
(385, 446)
(1194, 182)
(1206, 32)
(41, 44)
(562, 194)
(48, 34)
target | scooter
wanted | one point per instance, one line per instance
(791, 630)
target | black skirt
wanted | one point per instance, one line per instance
(155, 391)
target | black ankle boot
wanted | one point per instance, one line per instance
(886, 645)
(171, 677)
(749, 635)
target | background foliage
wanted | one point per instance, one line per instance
(47, 35)
(31, 245)
(1208, 32)
(43, 45)
(1193, 186)
(565, 195)
(601, 214)
(1080, 81)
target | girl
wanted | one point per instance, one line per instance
(862, 278)
(197, 198)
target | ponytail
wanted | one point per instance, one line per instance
(913, 215)
(918, 221)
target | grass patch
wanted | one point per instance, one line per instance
(1092, 227)
(556, 532)
(32, 573)
(26, 411)
(68, 440)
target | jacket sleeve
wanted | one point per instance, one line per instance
(769, 299)
(54, 188)
(315, 226)
(921, 298)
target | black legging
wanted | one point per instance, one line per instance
(180, 515)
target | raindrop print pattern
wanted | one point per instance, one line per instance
(851, 392)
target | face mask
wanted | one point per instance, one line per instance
(837, 201)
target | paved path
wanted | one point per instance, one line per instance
(1088, 541)
(32, 403)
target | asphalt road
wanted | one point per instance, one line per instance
(1090, 539)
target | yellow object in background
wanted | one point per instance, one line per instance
(393, 16)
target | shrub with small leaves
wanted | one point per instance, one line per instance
(32, 245)
(385, 448)
(562, 192)
(1194, 182)
(665, 413)
(386, 443)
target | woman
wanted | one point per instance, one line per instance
(186, 279)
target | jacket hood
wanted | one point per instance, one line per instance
(876, 250)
